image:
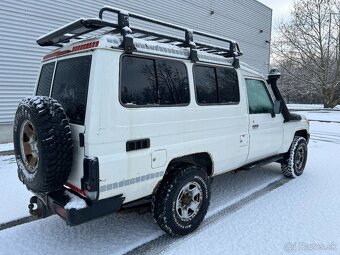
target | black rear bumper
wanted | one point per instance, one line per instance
(54, 203)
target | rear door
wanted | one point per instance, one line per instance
(70, 89)
(265, 128)
(67, 80)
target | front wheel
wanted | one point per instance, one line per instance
(182, 199)
(295, 160)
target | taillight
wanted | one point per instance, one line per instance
(90, 182)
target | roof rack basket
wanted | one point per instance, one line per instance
(76, 29)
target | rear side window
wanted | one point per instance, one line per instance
(45, 79)
(172, 80)
(216, 85)
(206, 86)
(228, 91)
(138, 81)
(70, 86)
(153, 82)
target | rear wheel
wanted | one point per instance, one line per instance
(295, 160)
(182, 199)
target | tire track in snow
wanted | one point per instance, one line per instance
(326, 133)
(326, 121)
(165, 241)
(325, 140)
(17, 222)
(326, 137)
(6, 153)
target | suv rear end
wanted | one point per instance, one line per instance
(66, 76)
(67, 80)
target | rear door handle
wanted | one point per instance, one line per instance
(255, 126)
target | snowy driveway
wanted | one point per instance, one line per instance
(302, 215)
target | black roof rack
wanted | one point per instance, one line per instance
(82, 26)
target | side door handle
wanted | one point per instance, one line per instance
(255, 126)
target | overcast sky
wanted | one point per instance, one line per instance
(281, 9)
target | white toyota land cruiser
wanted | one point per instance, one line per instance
(133, 114)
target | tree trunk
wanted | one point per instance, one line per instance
(328, 99)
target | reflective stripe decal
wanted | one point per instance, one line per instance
(143, 178)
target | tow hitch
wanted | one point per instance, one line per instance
(38, 209)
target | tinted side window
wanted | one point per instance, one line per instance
(172, 82)
(138, 81)
(216, 85)
(228, 91)
(70, 86)
(45, 79)
(146, 82)
(205, 83)
(258, 97)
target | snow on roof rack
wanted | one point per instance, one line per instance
(83, 26)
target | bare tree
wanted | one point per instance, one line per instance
(307, 48)
(296, 90)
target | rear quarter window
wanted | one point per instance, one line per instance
(45, 79)
(70, 86)
(205, 83)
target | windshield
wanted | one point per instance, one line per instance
(69, 85)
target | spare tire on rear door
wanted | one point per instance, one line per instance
(42, 143)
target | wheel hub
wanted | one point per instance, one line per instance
(189, 201)
(300, 158)
(29, 146)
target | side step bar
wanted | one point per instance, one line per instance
(263, 162)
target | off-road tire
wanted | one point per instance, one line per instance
(288, 166)
(53, 140)
(164, 199)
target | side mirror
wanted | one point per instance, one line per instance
(277, 107)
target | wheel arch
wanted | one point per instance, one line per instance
(303, 133)
(202, 159)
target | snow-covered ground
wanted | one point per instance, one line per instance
(322, 115)
(300, 216)
(6, 147)
(14, 195)
(309, 107)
